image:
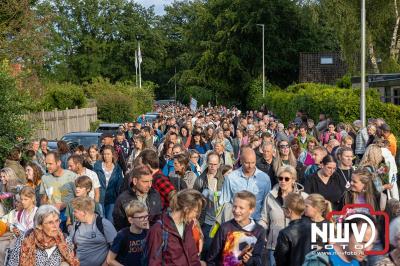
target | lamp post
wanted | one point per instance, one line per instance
(138, 37)
(263, 57)
(362, 95)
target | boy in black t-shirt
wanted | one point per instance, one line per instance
(128, 246)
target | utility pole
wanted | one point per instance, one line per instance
(263, 57)
(362, 95)
(175, 83)
(139, 60)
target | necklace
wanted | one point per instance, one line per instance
(344, 177)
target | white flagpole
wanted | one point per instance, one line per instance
(140, 62)
(136, 66)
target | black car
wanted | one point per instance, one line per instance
(83, 138)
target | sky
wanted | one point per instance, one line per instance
(158, 4)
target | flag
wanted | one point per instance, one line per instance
(136, 59)
(193, 104)
(139, 56)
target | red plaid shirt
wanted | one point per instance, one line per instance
(162, 184)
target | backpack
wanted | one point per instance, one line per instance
(160, 250)
(99, 225)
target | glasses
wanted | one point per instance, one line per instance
(141, 218)
(55, 222)
(284, 146)
(287, 179)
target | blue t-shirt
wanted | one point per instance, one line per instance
(335, 260)
(129, 247)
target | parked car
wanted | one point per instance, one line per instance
(109, 128)
(82, 138)
(52, 145)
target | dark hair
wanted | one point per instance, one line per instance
(77, 159)
(328, 159)
(84, 181)
(111, 148)
(43, 140)
(14, 154)
(149, 157)
(120, 133)
(37, 175)
(30, 154)
(225, 168)
(182, 159)
(80, 148)
(147, 129)
(303, 126)
(62, 147)
(56, 155)
(187, 131)
(139, 171)
(342, 150)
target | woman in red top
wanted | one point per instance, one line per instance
(171, 241)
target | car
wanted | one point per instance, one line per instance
(82, 138)
(109, 128)
(52, 145)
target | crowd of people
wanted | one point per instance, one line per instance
(212, 186)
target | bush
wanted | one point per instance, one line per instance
(121, 101)
(202, 95)
(13, 126)
(115, 107)
(254, 97)
(342, 105)
(63, 96)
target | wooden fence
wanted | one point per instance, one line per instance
(55, 124)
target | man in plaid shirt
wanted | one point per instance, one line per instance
(161, 183)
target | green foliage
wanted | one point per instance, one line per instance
(115, 107)
(94, 125)
(342, 105)
(254, 97)
(344, 82)
(12, 123)
(63, 96)
(202, 95)
(121, 101)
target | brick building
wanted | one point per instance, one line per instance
(321, 67)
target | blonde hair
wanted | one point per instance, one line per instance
(320, 203)
(287, 169)
(372, 157)
(12, 182)
(133, 207)
(295, 203)
(278, 162)
(84, 204)
(28, 192)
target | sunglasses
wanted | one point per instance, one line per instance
(281, 178)
(283, 146)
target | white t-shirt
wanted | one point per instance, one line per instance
(95, 181)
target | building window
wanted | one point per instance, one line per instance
(326, 60)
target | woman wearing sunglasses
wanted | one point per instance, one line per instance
(284, 156)
(272, 216)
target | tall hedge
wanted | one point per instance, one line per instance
(342, 105)
(121, 101)
(63, 96)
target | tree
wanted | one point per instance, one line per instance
(13, 126)
(98, 38)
